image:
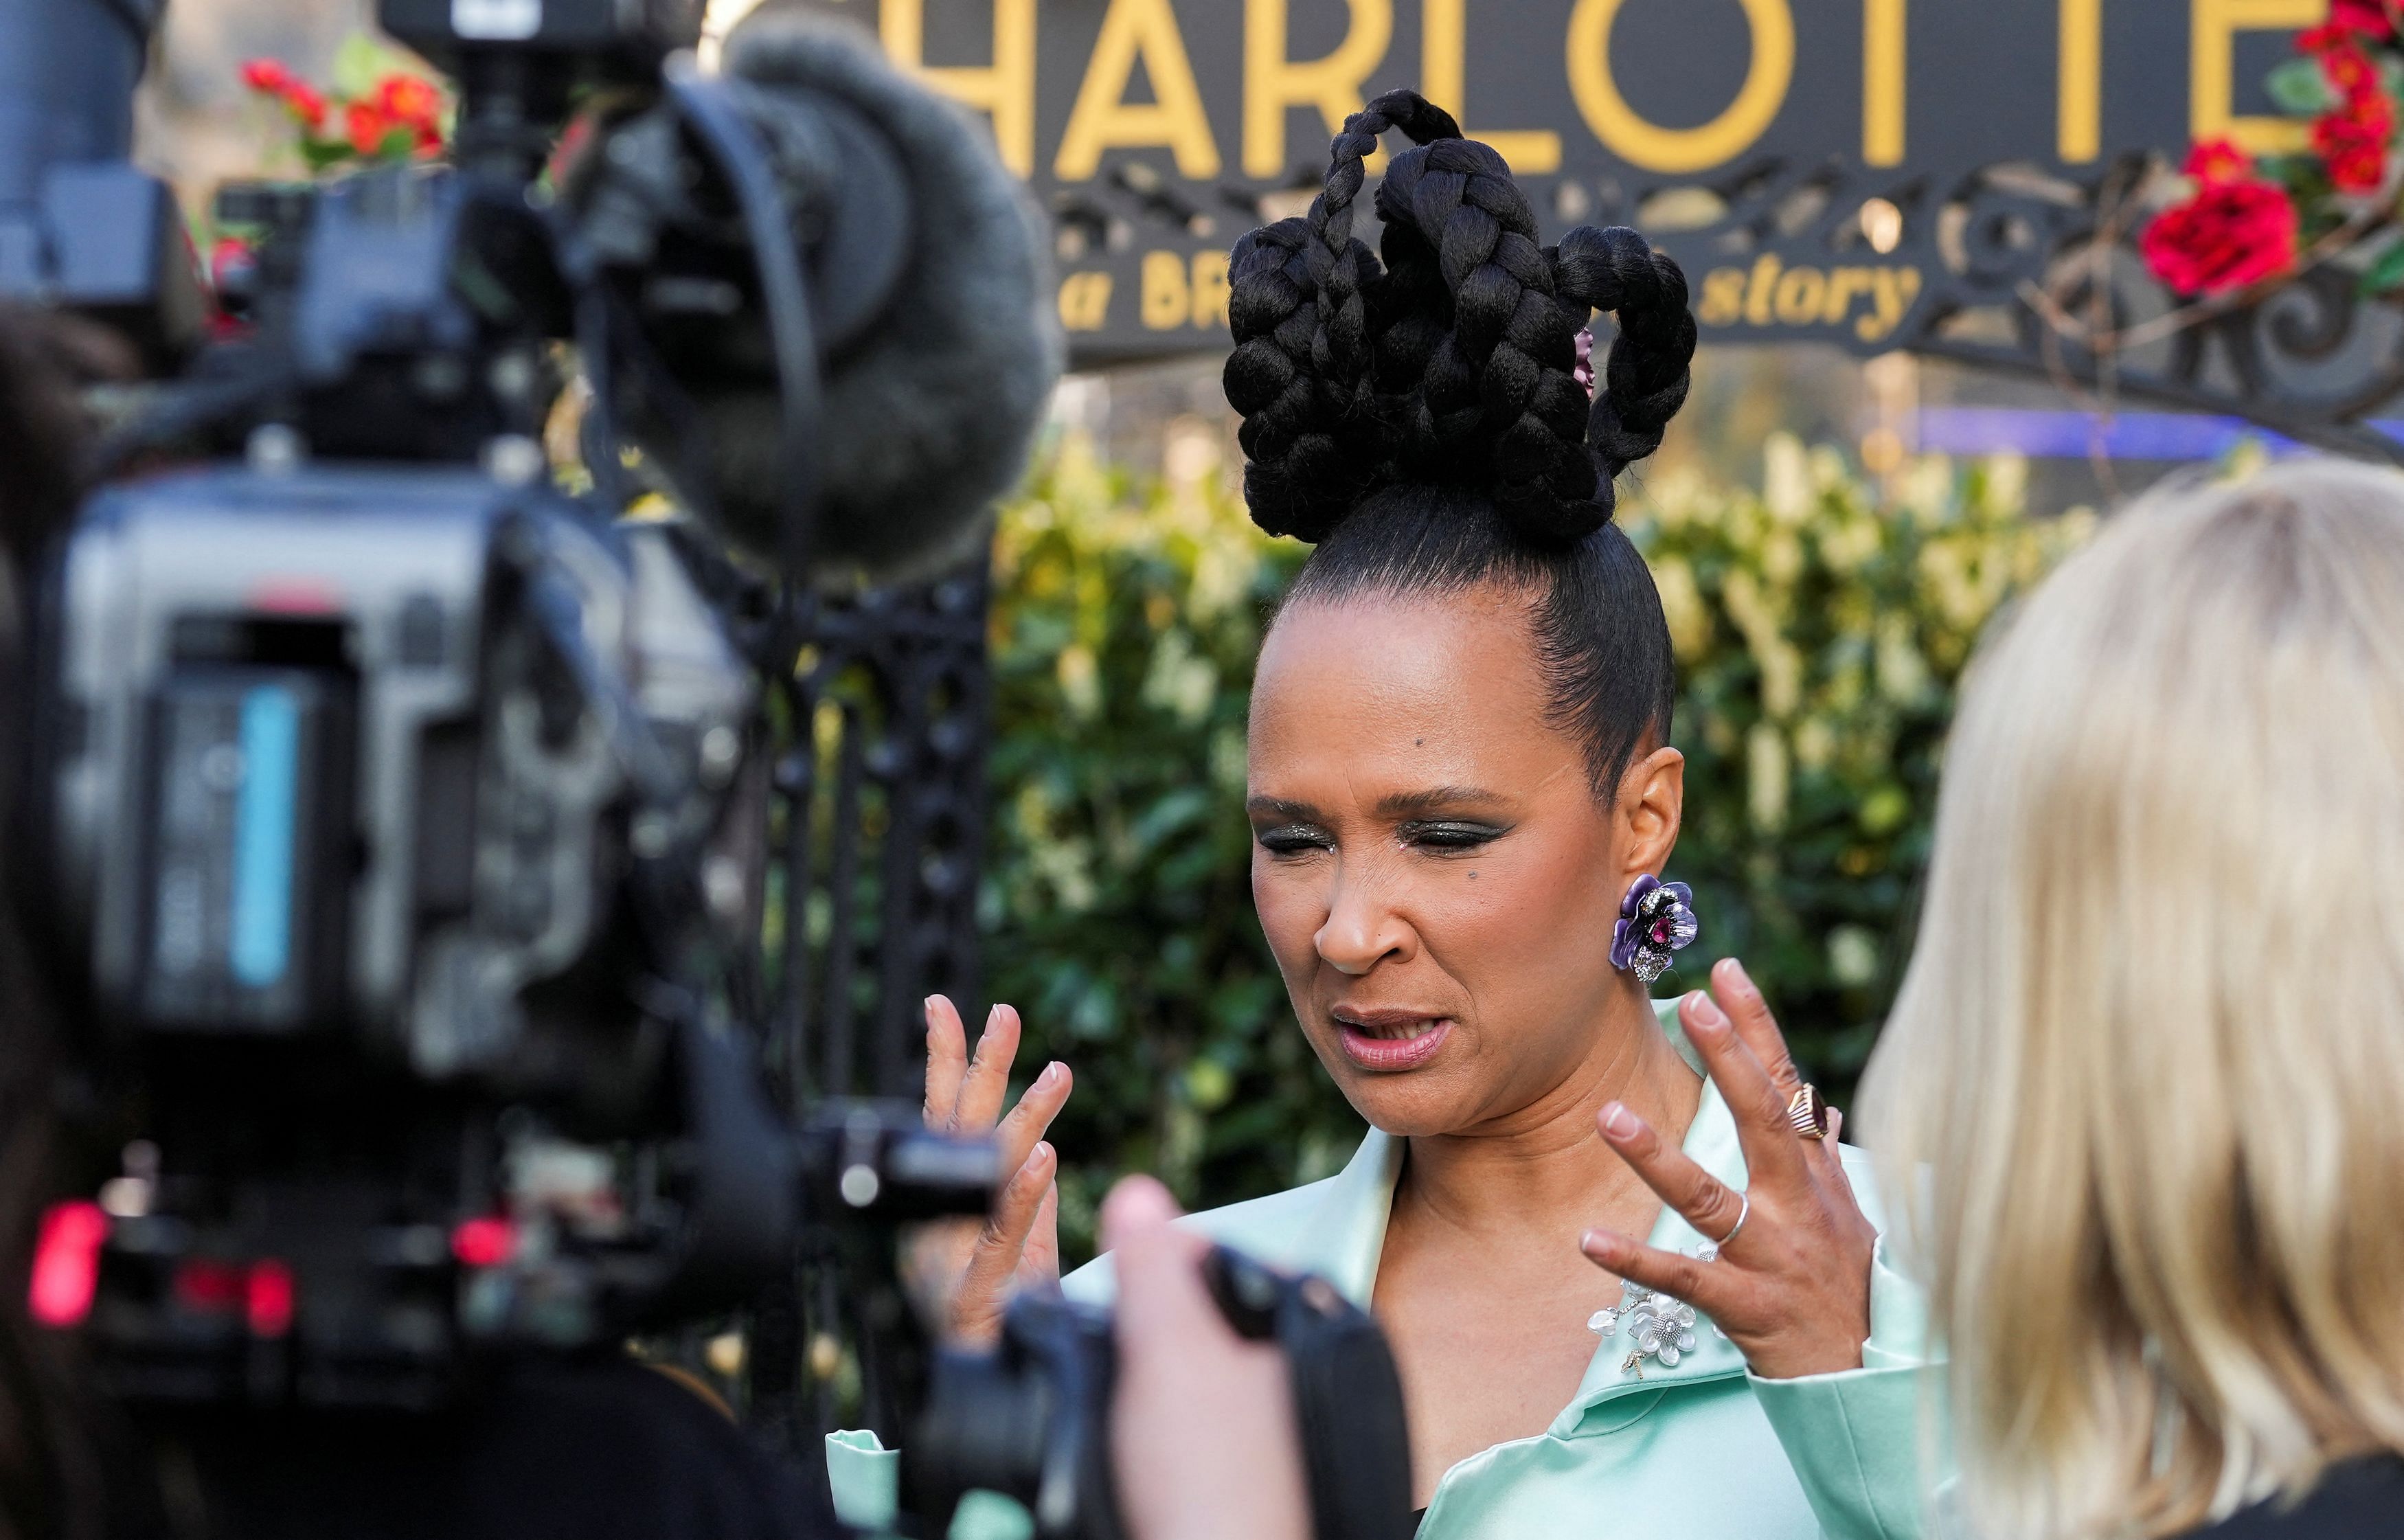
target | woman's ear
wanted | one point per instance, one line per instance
(1652, 802)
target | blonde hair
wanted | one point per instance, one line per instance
(2143, 1092)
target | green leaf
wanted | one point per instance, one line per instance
(322, 155)
(2299, 88)
(2387, 273)
(363, 60)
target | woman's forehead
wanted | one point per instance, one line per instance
(1437, 684)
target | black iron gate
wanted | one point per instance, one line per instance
(877, 825)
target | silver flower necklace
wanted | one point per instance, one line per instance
(1659, 1327)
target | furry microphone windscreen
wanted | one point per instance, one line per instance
(930, 412)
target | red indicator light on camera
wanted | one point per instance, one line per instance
(267, 1299)
(485, 1242)
(209, 1287)
(67, 1263)
(261, 1291)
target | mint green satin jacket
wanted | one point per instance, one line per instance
(1706, 1450)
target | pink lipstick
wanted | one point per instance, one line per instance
(1390, 1041)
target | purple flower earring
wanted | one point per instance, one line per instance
(1656, 919)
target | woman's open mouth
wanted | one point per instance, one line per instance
(1390, 1039)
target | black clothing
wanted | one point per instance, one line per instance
(607, 1451)
(2355, 1501)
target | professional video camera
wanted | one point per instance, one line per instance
(395, 819)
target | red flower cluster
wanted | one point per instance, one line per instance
(271, 78)
(2368, 18)
(403, 115)
(2238, 229)
(403, 104)
(2352, 137)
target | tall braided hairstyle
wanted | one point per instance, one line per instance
(1421, 420)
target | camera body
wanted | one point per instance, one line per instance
(356, 749)
(395, 820)
(377, 815)
(636, 34)
(1031, 1417)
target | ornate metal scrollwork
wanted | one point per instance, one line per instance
(881, 793)
(877, 827)
(2032, 272)
(2016, 266)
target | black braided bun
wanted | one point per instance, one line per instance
(1450, 364)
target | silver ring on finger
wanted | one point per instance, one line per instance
(1743, 1212)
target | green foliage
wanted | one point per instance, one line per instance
(1117, 899)
(2300, 88)
(1819, 632)
(1819, 636)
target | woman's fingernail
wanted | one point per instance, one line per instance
(1043, 1154)
(1733, 971)
(929, 1001)
(992, 1019)
(1618, 1122)
(1595, 1243)
(1709, 1017)
(1050, 1074)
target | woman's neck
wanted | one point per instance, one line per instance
(1544, 1165)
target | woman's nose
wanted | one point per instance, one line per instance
(1361, 930)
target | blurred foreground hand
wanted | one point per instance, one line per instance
(963, 1273)
(1202, 1431)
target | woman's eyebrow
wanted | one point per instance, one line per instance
(1279, 808)
(1436, 799)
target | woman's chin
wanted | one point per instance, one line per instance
(1426, 1097)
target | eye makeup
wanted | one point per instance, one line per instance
(1292, 839)
(1447, 836)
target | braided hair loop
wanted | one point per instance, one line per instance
(1300, 294)
(1452, 363)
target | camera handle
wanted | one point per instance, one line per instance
(1348, 1397)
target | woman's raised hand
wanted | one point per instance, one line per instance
(1792, 1288)
(974, 1267)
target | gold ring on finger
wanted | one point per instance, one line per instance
(1807, 1113)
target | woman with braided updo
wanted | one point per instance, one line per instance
(1463, 798)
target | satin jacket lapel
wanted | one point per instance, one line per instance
(1348, 1234)
(1711, 1143)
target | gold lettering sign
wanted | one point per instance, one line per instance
(1869, 302)
(1641, 141)
(1165, 120)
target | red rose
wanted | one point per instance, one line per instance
(366, 127)
(305, 104)
(2231, 234)
(2352, 142)
(2218, 160)
(2349, 71)
(2368, 19)
(266, 75)
(409, 99)
(414, 104)
(2357, 160)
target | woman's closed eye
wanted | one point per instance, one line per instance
(1447, 836)
(1294, 839)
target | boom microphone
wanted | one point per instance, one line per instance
(926, 270)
